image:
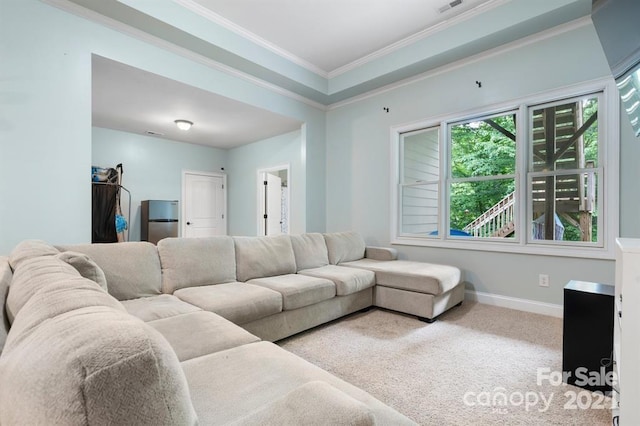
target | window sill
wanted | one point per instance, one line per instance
(508, 247)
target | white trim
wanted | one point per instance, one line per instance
(514, 45)
(88, 14)
(183, 206)
(525, 305)
(252, 37)
(609, 162)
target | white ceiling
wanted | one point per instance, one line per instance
(136, 101)
(330, 34)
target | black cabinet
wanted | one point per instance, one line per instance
(587, 340)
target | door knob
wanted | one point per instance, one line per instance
(188, 223)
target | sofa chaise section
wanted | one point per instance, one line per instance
(418, 288)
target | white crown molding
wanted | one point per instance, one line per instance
(525, 305)
(254, 38)
(85, 13)
(482, 8)
(517, 44)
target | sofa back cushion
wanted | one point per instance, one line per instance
(192, 262)
(344, 247)
(55, 299)
(31, 276)
(93, 365)
(258, 257)
(131, 269)
(28, 249)
(6, 274)
(310, 251)
(85, 267)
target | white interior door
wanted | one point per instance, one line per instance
(204, 204)
(273, 204)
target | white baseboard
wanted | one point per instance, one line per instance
(515, 303)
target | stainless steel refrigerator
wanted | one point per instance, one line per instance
(159, 220)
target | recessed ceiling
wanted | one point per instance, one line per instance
(327, 52)
(136, 101)
(318, 52)
(330, 34)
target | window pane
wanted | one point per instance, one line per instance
(572, 201)
(486, 147)
(421, 156)
(483, 209)
(565, 136)
(420, 209)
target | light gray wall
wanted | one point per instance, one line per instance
(243, 165)
(45, 119)
(152, 166)
(358, 148)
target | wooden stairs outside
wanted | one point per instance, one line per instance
(496, 222)
(557, 145)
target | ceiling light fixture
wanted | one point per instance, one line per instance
(183, 124)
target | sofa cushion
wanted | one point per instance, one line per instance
(55, 299)
(93, 365)
(344, 247)
(298, 290)
(201, 333)
(158, 307)
(85, 267)
(315, 402)
(347, 280)
(6, 274)
(412, 276)
(271, 373)
(132, 269)
(310, 250)
(238, 302)
(32, 275)
(29, 249)
(191, 262)
(258, 257)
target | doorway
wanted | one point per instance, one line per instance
(273, 200)
(204, 204)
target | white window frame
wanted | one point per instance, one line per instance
(608, 195)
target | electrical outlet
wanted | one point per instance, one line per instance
(543, 280)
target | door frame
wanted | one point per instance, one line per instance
(260, 196)
(183, 205)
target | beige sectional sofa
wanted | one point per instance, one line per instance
(132, 333)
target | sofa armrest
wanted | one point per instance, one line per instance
(381, 253)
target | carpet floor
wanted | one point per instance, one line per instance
(476, 365)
